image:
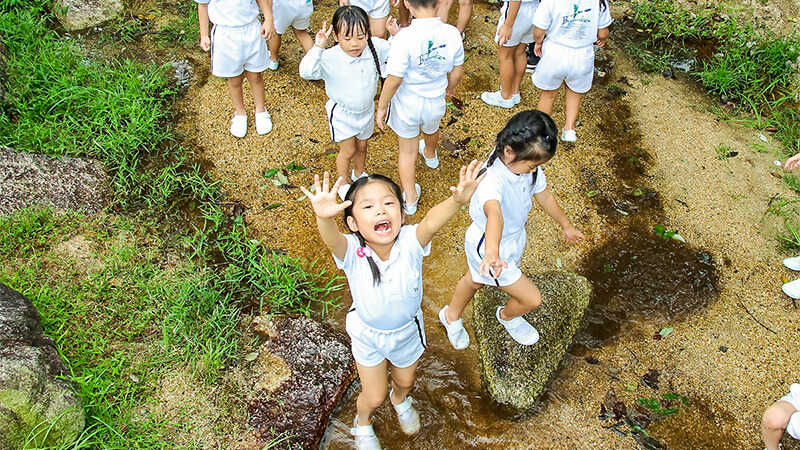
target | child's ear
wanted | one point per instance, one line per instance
(508, 152)
(351, 223)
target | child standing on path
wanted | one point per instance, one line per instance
(514, 33)
(496, 238)
(382, 259)
(238, 51)
(568, 54)
(350, 111)
(290, 13)
(421, 57)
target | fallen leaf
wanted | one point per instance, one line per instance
(282, 178)
(457, 102)
(762, 137)
(592, 193)
(272, 206)
(251, 356)
(447, 145)
(775, 174)
(666, 331)
(133, 378)
(651, 378)
(592, 360)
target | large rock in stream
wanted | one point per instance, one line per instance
(306, 370)
(515, 375)
(37, 405)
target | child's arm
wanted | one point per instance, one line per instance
(325, 207)
(310, 67)
(268, 27)
(453, 79)
(390, 87)
(504, 32)
(202, 16)
(492, 265)
(440, 214)
(548, 202)
(602, 35)
(793, 162)
(392, 26)
(538, 38)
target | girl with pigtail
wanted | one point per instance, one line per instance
(351, 80)
(495, 240)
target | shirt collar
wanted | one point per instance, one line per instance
(507, 174)
(351, 59)
(424, 21)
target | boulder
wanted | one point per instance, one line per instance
(66, 183)
(515, 375)
(308, 369)
(81, 14)
(38, 407)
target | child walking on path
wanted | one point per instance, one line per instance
(351, 80)
(382, 259)
(421, 57)
(792, 288)
(290, 13)
(514, 33)
(238, 51)
(496, 238)
(568, 52)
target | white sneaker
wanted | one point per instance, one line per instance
(411, 208)
(273, 65)
(365, 436)
(239, 126)
(517, 98)
(456, 333)
(355, 178)
(569, 136)
(519, 329)
(263, 122)
(407, 415)
(792, 289)
(792, 263)
(343, 191)
(430, 162)
(495, 99)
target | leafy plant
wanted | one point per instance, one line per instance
(660, 230)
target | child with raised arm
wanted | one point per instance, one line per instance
(421, 57)
(496, 239)
(382, 259)
(238, 51)
(568, 53)
(351, 80)
(290, 13)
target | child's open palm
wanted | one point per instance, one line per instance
(321, 39)
(468, 179)
(324, 198)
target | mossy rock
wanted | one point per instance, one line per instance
(515, 375)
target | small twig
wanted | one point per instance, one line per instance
(754, 318)
(634, 354)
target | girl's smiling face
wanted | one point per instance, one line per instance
(354, 43)
(377, 213)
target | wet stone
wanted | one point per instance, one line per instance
(515, 375)
(293, 412)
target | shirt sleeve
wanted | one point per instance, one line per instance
(458, 57)
(489, 191)
(542, 18)
(352, 246)
(541, 182)
(202, 1)
(408, 239)
(398, 60)
(311, 64)
(604, 18)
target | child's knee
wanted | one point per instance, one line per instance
(373, 399)
(776, 417)
(404, 383)
(532, 302)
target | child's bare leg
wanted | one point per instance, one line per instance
(525, 297)
(257, 86)
(520, 64)
(237, 97)
(378, 27)
(347, 150)
(431, 141)
(572, 104)
(464, 14)
(360, 157)
(505, 57)
(373, 391)
(406, 166)
(402, 382)
(305, 39)
(463, 293)
(546, 100)
(274, 45)
(443, 9)
(776, 418)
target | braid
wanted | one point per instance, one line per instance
(376, 273)
(374, 57)
(603, 5)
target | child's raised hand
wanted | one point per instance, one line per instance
(324, 198)
(468, 180)
(392, 26)
(572, 234)
(492, 266)
(321, 39)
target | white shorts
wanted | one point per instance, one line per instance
(345, 124)
(377, 9)
(511, 248)
(793, 397)
(522, 30)
(294, 13)
(236, 49)
(402, 347)
(575, 66)
(409, 113)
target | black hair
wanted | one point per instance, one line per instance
(423, 3)
(351, 19)
(603, 5)
(531, 136)
(348, 212)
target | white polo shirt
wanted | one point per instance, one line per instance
(231, 13)
(395, 301)
(572, 23)
(350, 82)
(423, 54)
(514, 192)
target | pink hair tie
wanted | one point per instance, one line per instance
(363, 252)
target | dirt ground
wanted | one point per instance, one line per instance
(718, 206)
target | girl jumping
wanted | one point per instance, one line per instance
(496, 238)
(382, 259)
